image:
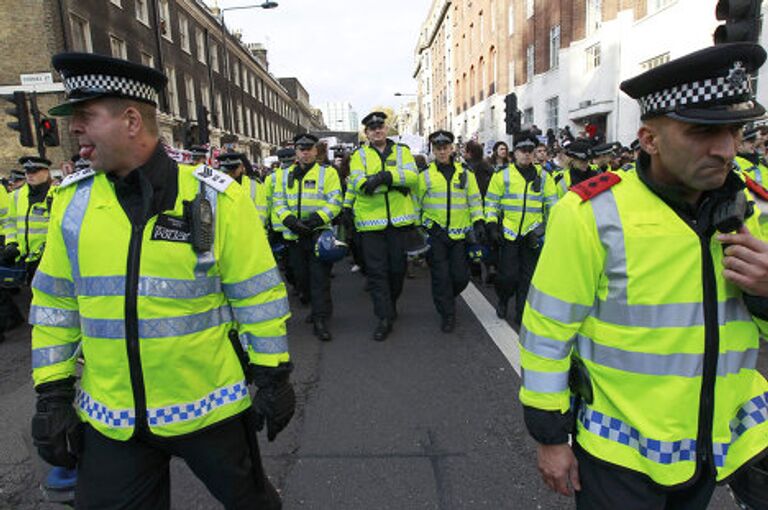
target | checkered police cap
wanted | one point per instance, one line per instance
(78, 86)
(441, 137)
(34, 162)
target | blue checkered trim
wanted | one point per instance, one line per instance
(97, 411)
(198, 408)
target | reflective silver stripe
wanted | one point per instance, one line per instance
(676, 364)
(556, 309)
(327, 212)
(399, 163)
(669, 315)
(161, 327)
(73, 219)
(262, 312)
(361, 151)
(254, 285)
(517, 196)
(34, 231)
(612, 238)
(115, 418)
(509, 232)
(267, 344)
(545, 382)
(491, 196)
(253, 189)
(545, 347)
(149, 286)
(46, 356)
(206, 260)
(59, 287)
(197, 409)
(54, 317)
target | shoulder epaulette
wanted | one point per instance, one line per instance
(213, 178)
(592, 187)
(78, 176)
(756, 187)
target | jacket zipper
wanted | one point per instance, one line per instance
(525, 203)
(132, 326)
(26, 229)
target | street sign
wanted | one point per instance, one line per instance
(36, 79)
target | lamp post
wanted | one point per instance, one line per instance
(263, 5)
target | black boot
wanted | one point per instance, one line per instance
(448, 323)
(501, 309)
(382, 330)
(321, 331)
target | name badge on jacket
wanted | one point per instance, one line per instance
(310, 184)
(168, 228)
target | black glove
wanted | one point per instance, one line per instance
(478, 228)
(297, 226)
(492, 232)
(9, 254)
(56, 429)
(275, 400)
(376, 180)
(314, 221)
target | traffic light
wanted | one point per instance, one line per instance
(49, 132)
(511, 114)
(742, 21)
(202, 125)
(20, 110)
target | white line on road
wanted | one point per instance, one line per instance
(499, 330)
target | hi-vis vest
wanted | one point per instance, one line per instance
(318, 191)
(759, 175)
(149, 314)
(453, 207)
(512, 198)
(633, 310)
(5, 211)
(270, 184)
(28, 224)
(393, 206)
(258, 194)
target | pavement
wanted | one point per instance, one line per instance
(424, 420)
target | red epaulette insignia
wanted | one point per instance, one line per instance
(756, 188)
(596, 185)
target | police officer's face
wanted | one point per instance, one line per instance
(306, 155)
(37, 177)
(443, 152)
(697, 157)
(580, 164)
(376, 134)
(524, 157)
(102, 134)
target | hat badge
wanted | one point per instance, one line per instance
(737, 75)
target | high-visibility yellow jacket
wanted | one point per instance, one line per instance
(258, 194)
(454, 208)
(513, 199)
(647, 310)
(270, 183)
(387, 206)
(149, 314)
(28, 224)
(5, 211)
(318, 191)
(759, 174)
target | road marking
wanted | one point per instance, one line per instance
(499, 330)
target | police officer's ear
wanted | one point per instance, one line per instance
(647, 135)
(134, 120)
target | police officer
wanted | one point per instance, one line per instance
(199, 154)
(383, 176)
(516, 207)
(748, 159)
(17, 180)
(579, 169)
(451, 207)
(161, 276)
(602, 154)
(233, 163)
(308, 197)
(659, 319)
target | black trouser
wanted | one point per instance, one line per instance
(517, 262)
(134, 474)
(10, 315)
(449, 266)
(386, 264)
(604, 487)
(312, 276)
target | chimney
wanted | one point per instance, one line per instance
(259, 52)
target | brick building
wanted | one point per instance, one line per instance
(207, 66)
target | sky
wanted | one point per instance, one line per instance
(360, 51)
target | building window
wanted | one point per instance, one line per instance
(594, 15)
(189, 93)
(117, 46)
(511, 18)
(655, 61)
(214, 49)
(173, 91)
(593, 57)
(554, 47)
(205, 96)
(656, 5)
(236, 72)
(184, 33)
(528, 116)
(147, 59)
(165, 19)
(142, 11)
(200, 36)
(239, 118)
(530, 67)
(481, 26)
(552, 105)
(529, 9)
(81, 34)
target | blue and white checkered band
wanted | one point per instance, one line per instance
(441, 139)
(104, 84)
(524, 143)
(33, 165)
(376, 119)
(577, 155)
(734, 88)
(305, 141)
(230, 163)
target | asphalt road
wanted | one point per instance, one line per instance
(423, 420)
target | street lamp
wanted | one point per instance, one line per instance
(263, 5)
(399, 94)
